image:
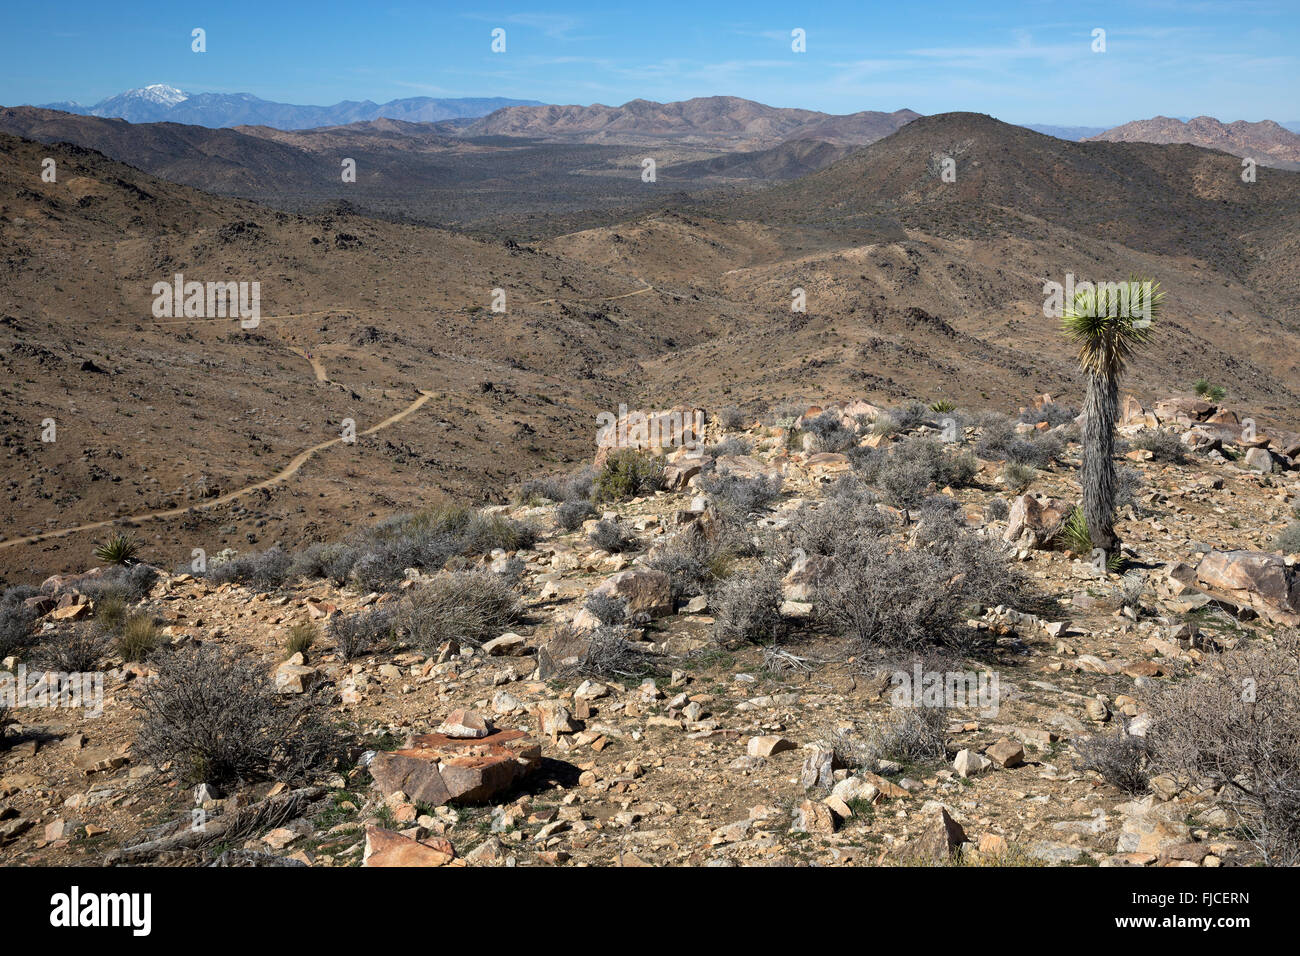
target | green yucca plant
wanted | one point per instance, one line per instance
(1102, 325)
(943, 405)
(1074, 535)
(119, 549)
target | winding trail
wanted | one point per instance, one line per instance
(287, 472)
(296, 463)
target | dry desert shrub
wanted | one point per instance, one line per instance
(216, 718)
(469, 607)
(1122, 759)
(1236, 727)
(570, 515)
(628, 473)
(747, 608)
(354, 635)
(613, 537)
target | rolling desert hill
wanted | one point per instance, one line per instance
(790, 160)
(408, 172)
(157, 415)
(1269, 143)
(918, 285)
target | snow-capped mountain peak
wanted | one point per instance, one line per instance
(159, 93)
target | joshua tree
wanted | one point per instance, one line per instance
(1108, 326)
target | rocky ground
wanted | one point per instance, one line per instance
(728, 755)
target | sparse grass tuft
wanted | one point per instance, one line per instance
(139, 638)
(299, 639)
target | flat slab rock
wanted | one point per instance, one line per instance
(438, 769)
(385, 848)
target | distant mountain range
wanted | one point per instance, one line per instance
(1270, 143)
(718, 121)
(160, 103)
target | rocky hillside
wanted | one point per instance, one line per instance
(681, 673)
(1267, 142)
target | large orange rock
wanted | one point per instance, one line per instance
(1184, 411)
(437, 769)
(386, 848)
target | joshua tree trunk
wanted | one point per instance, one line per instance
(1100, 409)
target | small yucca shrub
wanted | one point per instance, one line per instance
(119, 549)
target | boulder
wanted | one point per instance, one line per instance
(1259, 580)
(678, 474)
(1201, 439)
(768, 746)
(294, 677)
(857, 408)
(826, 465)
(1033, 523)
(1259, 459)
(941, 838)
(437, 769)
(1150, 827)
(386, 848)
(747, 466)
(507, 645)
(652, 431)
(462, 724)
(806, 572)
(643, 590)
(562, 652)
(1132, 413)
(1007, 753)
(815, 817)
(969, 763)
(1184, 411)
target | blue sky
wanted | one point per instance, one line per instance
(1021, 61)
